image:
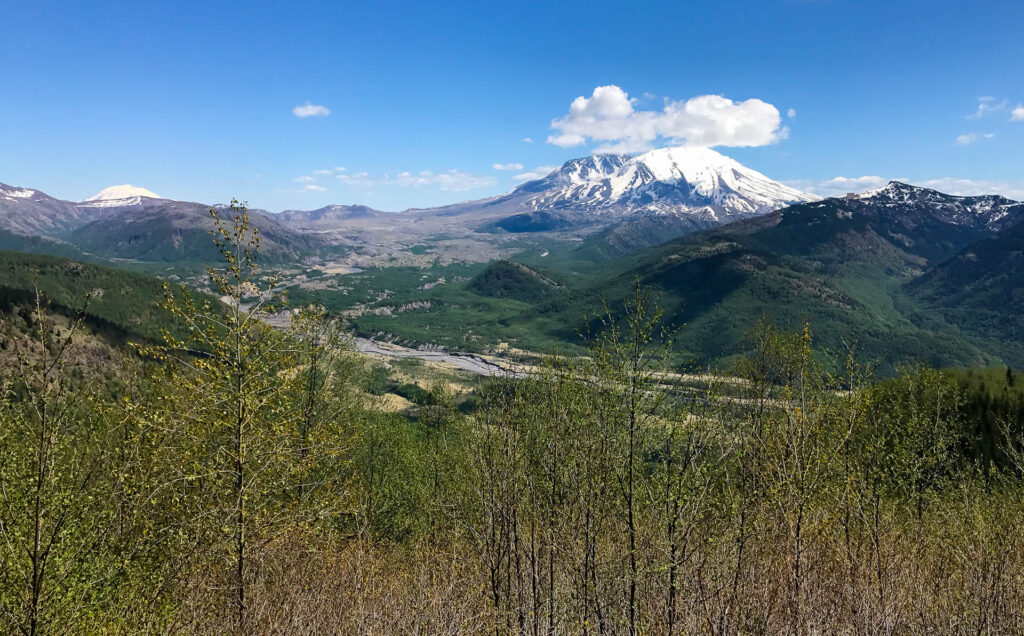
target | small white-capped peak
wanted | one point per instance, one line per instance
(118, 192)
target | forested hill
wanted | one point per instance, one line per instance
(905, 274)
(123, 302)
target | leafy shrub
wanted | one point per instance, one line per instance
(377, 380)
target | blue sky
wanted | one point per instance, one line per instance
(197, 100)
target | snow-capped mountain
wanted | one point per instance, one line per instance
(677, 181)
(130, 222)
(29, 212)
(990, 210)
(618, 202)
(119, 196)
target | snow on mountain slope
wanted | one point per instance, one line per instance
(678, 181)
(16, 193)
(29, 212)
(119, 195)
(988, 210)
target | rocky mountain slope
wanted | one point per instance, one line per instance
(694, 187)
(327, 216)
(173, 231)
(30, 212)
(849, 266)
(130, 223)
(673, 181)
(688, 189)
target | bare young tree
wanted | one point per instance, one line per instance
(246, 428)
(57, 500)
(629, 358)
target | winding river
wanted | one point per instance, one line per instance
(464, 361)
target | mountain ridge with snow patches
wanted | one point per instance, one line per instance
(678, 180)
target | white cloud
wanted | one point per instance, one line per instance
(448, 181)
(857, 184)
(838, 186)
(975, 187)
(316, 188)
(325, 172)
(528, 140)
(507, 166)
(791, 113)
(988, 105)
(303, 179)
(311, 110)
(609, 116)
(537, 173)
(1017, 114)
(356, 179)
(969, 138)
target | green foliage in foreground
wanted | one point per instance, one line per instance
(240, 481)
